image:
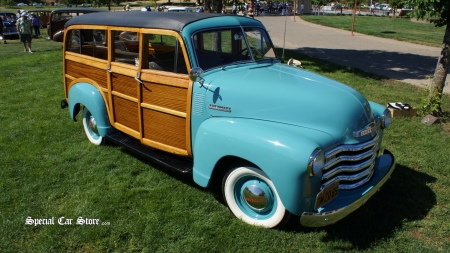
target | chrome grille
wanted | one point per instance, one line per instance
(350, 165)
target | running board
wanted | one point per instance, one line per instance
(173, 162)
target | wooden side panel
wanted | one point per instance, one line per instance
(124, 85)
(170, 97)
(78, 70)
(126, 112)
(164, 128)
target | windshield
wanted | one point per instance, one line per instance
(216, 48)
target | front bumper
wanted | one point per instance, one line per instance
(348, 201)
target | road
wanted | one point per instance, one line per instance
(403, 61)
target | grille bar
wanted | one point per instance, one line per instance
(350, 165)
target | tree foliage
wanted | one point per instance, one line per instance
(436, 11)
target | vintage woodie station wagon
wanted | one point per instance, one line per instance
(205, 95)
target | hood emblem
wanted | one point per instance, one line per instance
(365, 131)
(219, 108)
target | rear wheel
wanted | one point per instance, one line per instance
(90, 128)
(252, 197)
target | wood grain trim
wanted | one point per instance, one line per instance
(69, 77)
(188, 120)
(115, 93)
(87, 60)
(124, 69)
(167, 78)
(164, 147)
(127, 130)
(164, 110)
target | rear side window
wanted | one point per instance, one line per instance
(126, 47)
(88, 42)
(165, 54)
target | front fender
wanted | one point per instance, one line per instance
(89, 96)
(282, 151)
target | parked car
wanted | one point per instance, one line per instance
(58, 17)
(43, 15)
(181, 9)
(22, 4)
(206, 96)
(9, 24)
(385, 7)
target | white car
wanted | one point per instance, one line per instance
(385, 7)
(22, 4)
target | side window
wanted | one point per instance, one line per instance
(214, 48)
(165, 54)
(126, 47)
(88, 42)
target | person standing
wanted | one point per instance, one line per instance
(25, 30)
(302, 8)
(234, 9)
(1, 30)
(36, 22)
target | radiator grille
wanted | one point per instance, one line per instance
(350, 165)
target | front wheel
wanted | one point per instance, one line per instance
(90, 128)
(252, 197)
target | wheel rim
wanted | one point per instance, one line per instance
(92, 126)
(255, 197)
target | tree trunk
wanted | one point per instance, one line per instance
(440, 74)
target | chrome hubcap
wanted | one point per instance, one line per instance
(93, 125)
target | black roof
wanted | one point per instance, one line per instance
(80, 10)
(159, 20)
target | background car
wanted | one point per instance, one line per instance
(22, 4)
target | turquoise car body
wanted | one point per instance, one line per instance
(273, 116)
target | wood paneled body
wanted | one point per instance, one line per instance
(149, 105)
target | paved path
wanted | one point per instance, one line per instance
(403, 61)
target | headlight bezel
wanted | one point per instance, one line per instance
(386, 119)
(316, 162)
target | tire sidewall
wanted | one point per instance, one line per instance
(93, 138)
(228, 188)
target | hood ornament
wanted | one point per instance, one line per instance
(371, 127)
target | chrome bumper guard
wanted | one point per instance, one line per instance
(321, 219)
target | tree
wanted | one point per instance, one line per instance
(395, 4)
(438, 13)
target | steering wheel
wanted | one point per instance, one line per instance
(238, 55)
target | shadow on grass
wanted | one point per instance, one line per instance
(404, 198)
(395, 65)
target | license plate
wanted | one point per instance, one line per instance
(327, 195)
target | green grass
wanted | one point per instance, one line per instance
(402, 29)
(49, 169)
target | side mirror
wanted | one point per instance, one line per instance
(196, 75)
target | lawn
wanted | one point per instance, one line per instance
(392, 28)
(49, 169)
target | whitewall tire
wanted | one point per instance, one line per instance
(252, 197)
(90, 128)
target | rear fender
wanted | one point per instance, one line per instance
(89, 96)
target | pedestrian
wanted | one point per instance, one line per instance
(24, 27)
(36, 22)
(233, 9)
(302, 8)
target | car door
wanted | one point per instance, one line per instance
(150, 88)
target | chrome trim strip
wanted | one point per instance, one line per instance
(352, 168)
(351, 158)
(352, 147)
(355, 177)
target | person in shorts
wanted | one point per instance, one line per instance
(25, 29)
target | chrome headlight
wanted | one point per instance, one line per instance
(386, 119)
(316, 162)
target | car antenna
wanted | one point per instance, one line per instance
(284, 40)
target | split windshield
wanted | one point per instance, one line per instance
(216, 48)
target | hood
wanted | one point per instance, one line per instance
(289, 95)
